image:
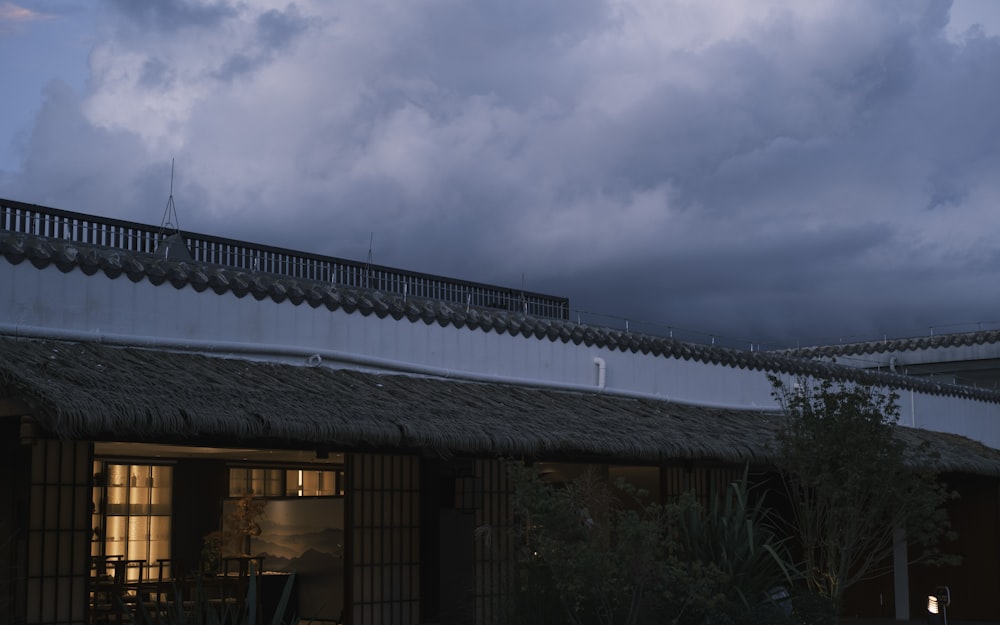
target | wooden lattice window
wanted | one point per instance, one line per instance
(384, 512)
(58, 533)
(494, 547)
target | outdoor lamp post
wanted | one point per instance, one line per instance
(937, 606)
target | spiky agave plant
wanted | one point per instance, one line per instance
(734, 533)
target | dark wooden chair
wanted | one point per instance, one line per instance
(237, 572)
(107, 590)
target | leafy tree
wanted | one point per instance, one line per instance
(852, 483)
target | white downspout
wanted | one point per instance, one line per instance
(602, 369)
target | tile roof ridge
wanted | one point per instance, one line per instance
(916, 343)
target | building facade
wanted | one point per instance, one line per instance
(153, 385)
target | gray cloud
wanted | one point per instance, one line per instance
(172, 15)
(274, 31)
(155, 74)
(63, 141)
(278, 29)
(800, 171)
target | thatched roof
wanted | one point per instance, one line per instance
(97, 391)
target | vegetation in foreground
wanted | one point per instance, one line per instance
(601, 554)
(854, 486)
(596, 553)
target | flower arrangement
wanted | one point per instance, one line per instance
(241, 524)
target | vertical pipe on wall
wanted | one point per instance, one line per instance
(601, 372)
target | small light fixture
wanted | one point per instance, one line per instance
(937, 606)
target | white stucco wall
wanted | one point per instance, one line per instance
(96, 307)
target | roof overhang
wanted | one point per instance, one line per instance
(94, 391)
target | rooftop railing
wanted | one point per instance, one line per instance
(54, 223)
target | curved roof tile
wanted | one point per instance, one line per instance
(898, 345)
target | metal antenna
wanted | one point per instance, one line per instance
(172, 246)
(170, 212)
(524, 300)
(368, 265)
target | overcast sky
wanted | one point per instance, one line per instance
(774, 171)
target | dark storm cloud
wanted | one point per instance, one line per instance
(763, 174)
(681, 289)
